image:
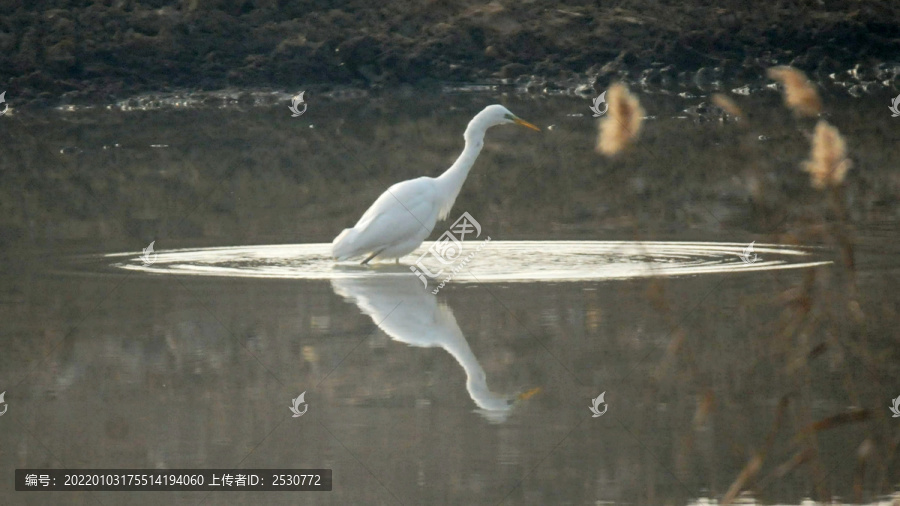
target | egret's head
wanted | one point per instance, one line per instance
(498, 115)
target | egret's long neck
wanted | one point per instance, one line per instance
(452, 179)
(476, 379)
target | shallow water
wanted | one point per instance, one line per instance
(504, 261)
(622, 276)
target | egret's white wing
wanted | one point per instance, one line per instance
(405, 211)
(406, 196)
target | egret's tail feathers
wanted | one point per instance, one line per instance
(343, 247)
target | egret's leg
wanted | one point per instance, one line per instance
(366, 261)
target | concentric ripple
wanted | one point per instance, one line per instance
(489, 261)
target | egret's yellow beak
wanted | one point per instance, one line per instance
(525, 124)
(524, 396)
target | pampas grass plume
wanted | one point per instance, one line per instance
(828, 163)
(622, 123)
(799, 94)
(727, 105)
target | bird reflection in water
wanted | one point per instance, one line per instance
(409, 313)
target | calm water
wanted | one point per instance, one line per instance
(620, 276)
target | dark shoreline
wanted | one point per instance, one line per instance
(102, 53)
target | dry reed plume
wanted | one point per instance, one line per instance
(622, 123)
(727, 105)
(828, 163)
(799, 94)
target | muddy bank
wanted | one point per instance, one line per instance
(61, 51)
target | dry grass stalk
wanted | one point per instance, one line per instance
(799, 93)
(727, 105)
(704, 409)
(828, 163)
(840, 419)
(799, 458)
(747, 474)
(622, 123)
(751, 470)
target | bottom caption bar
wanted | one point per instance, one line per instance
(173, 480)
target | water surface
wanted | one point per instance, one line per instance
(621, 276)
(504, 261)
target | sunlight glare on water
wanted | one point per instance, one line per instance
(497, 261)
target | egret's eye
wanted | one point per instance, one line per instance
(509, 117)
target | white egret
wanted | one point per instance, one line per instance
(403, 216)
